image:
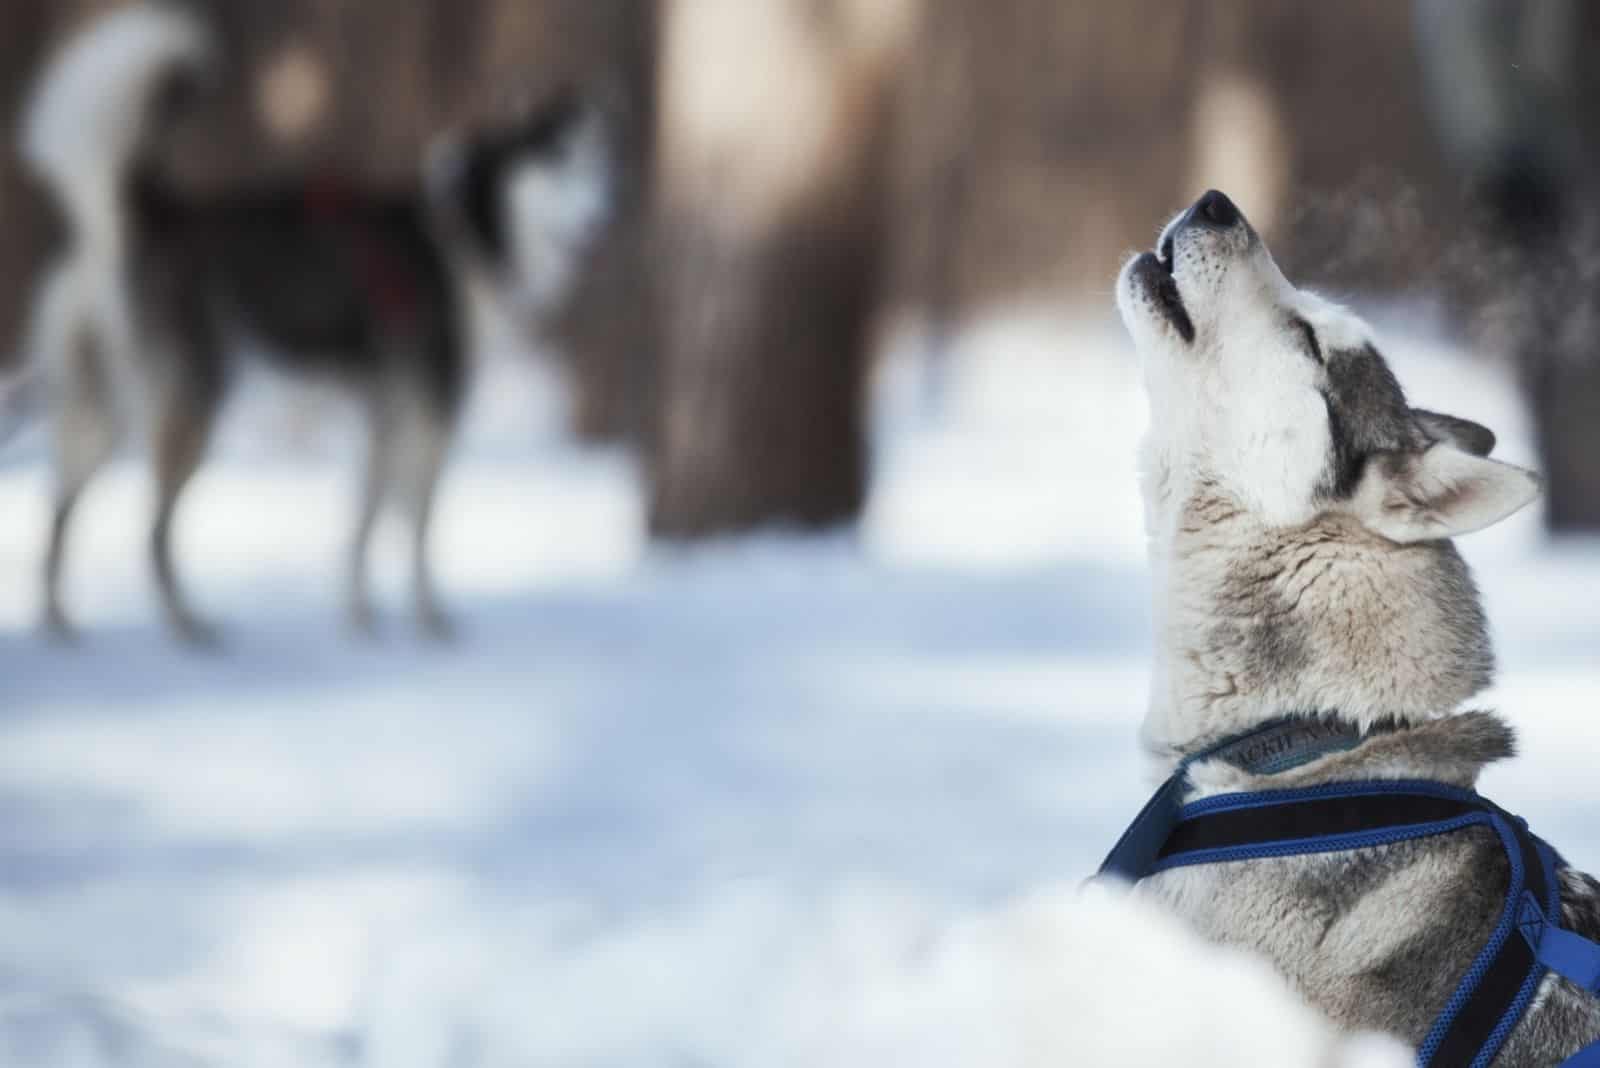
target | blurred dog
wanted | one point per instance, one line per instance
(140, 326)
(1300, 514)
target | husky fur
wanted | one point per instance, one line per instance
(136, 330)
(1299, 513)
(520, 231)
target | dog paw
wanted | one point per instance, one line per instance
(58, 630)
(362, 623)
(436, 626)
(197, 634)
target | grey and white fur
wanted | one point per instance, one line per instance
(136, 328)
(1299, 514)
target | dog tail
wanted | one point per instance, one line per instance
(94, 120)
(101, 105)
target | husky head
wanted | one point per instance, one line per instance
(522, 204)
(1279, 399)
(1299, 509)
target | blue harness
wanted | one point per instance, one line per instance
(1527, 943)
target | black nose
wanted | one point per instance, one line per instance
(1214, 209)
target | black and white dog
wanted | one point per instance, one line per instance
(138, 327)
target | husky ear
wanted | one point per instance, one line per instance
(1439, 493)
(1462, 433)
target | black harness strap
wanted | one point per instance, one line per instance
(1332, 817)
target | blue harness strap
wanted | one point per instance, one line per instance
(1528, 940)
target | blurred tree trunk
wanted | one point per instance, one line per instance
(1566, 405)
(771, 206)
(608, 331)
(1516, 107)
(1561, 357)
(28, 222)
(1553, 339)
(766, 344)
(1564, 365)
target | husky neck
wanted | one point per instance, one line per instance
(1256, 622)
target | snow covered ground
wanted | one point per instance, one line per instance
(684, 807)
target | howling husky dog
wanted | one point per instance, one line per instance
(1300, 516)
(135, 329)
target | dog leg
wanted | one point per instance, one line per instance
(56, 624)
(84, 435)
(375, 481)
(425, 448)
(182, 430)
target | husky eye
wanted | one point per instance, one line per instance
(1313, 349)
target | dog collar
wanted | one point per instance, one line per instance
(1283, 744)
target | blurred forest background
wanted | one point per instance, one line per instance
(801, 175)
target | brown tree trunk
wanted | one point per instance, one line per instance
(771, 206)
(760, 415)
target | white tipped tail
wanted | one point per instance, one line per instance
(87, 117)
(83, 129)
